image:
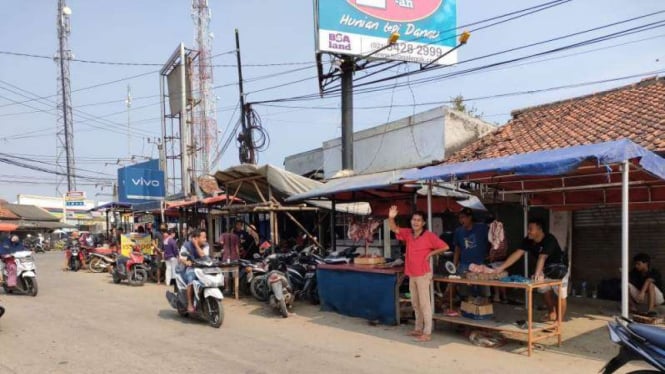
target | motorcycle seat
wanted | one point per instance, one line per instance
(653, 334)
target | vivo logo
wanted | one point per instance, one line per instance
(145, 182)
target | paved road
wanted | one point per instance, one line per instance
(82, 323)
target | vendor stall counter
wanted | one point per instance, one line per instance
(532, 331)
(370, 292)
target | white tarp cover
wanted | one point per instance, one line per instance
(283, 184)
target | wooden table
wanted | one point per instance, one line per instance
(234, 270)
(534, 332)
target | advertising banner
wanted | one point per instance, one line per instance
(143, 241)
(427, 28)
(141, 183)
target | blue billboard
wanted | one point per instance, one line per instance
(141, 183)
(427, 28)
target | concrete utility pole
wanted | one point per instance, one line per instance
(247, 154)
(65, 127)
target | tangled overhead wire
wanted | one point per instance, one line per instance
(253, 139)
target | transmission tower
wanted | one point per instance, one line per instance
(205, 117)
(65, 128)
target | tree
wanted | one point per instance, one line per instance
(458, 104)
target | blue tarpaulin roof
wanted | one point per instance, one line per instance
(547, 163)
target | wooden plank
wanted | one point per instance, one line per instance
(492, 325)
(552, 282)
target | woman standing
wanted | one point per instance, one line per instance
(421, 245)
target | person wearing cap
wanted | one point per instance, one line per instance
(471, 245)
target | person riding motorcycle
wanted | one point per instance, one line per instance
(190, 251)
(9, 247)
(73, 239)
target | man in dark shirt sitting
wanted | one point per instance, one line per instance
(646, 285)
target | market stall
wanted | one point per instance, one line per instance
(604, 174)
(372, 291)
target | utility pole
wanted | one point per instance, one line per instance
(65, 128)
(128, 101)
(247, 154)
(347, 66)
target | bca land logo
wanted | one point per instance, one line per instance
(397, 10)
(339, 41)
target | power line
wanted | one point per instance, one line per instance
(479, 98)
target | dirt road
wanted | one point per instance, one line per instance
(82, 323)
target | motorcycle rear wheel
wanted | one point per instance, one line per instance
(2, 311)
(116, 277)
(95, 265)
(137, 277)
(283, 310)
(214, 310)
(259, 288)
(31, 286)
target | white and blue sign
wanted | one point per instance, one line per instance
(141, 183)
(427, 28)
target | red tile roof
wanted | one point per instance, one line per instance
(636, 112)
(5, 213)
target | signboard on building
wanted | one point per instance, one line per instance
(75, 199)
(427, 28)
(141, 183)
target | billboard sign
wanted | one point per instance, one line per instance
(75, 199)
(427, 28)
(141, 183)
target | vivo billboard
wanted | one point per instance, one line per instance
(427, 28)
(141, 183)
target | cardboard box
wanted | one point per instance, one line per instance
(474, 311)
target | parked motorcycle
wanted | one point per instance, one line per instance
(248, 271)
(100, 263)
(134, 270)
(638, 342)
(26, 276)
(310, 290)
(207, 294)
(281, 295)
(259, 286)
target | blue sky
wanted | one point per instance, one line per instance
(273, 31)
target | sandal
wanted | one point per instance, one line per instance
(423, 338)
(415, 333)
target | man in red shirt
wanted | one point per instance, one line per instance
(421, 246)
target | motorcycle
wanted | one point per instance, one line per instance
(259, 286)
(26, 277)
(281, 296)
(207, 295)
(638, 342)
(249, 270)
(100, 263)
(310, 289)
(134, 271)
(76, 257)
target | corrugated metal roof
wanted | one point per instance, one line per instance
(31, 212)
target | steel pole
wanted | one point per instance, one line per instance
(347, 113)
(625, 170)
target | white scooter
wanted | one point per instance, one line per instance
(207, 294)
(26, 274)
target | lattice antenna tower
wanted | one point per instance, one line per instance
(205, 114)
(65, 121)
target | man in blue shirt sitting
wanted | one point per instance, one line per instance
(471, 245)
(192, 250)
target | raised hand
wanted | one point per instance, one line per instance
(392, 213)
